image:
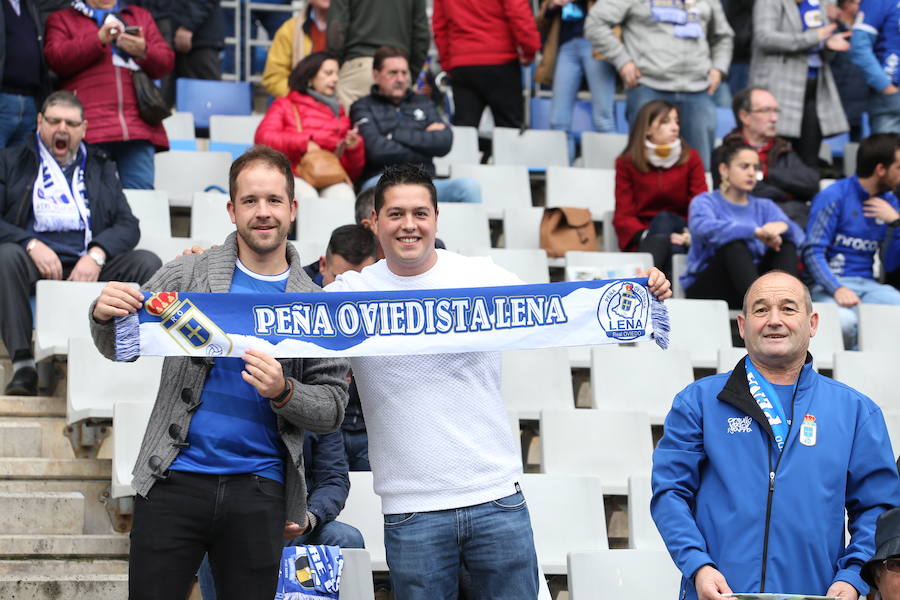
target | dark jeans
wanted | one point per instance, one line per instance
(732, 270)
(18, 274)
(658, 239)
(807, 145)
(497, 86)
(237, 519)
(356, 446)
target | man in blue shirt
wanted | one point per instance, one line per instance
(875, 49)
(847, 224)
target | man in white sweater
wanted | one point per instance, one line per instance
(442, 457)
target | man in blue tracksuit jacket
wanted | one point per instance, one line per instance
(739, 514)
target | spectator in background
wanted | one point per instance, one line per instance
(400, 126)
(296, 38)
(875, 50)
(94, 54)
(62, 216)
(566, 58)
(786, 179)
(357, 28)
(677, 53)
(849, 79)
(199, 35)
(789, 60)
(482, 44)
(656, 176)
(311, 118)
(882, 572)
(740, 16)
(23, 72)
(848, 222)
(736, 236)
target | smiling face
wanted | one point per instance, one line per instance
(326, 79)
(405, 228)
(741, 171)
(261, 210)
(664, 129)
(777, 323)
(61, 128)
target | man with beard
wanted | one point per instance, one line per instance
(221, 467)
(63, 215)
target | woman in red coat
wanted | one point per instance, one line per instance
(656, 177)
(94, 47)
(310, 117)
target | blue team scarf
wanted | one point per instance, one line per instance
(768, 400)
(309, 573)
(377, 323)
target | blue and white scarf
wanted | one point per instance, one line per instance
(100, 17)
(683, 14)
(767, 399)
(57, 205)
(329, 324)
(310, 573)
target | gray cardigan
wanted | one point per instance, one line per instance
(320, 385)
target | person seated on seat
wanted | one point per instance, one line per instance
(736, 236)
(350, 247)
(400, 126)
(786, 179)
(848, 222)
(63, 215)
(656, 176)
(328, 486)
(296, 38)
(310, 118)
(882, 572)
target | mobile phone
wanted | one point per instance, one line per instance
(133, 30)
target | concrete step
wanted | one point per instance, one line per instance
(63, 546)
(32, 406)
(56, 468)
(42, 512)
(61, 568)
(53, 441)
(68, 587)
(21, 439)
(96, 519)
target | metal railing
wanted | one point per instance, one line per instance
(244, 16)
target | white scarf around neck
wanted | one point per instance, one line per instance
(663, 156)
(57, 205)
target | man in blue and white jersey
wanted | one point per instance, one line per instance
(875, 49)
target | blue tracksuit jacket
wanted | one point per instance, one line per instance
(770, 522)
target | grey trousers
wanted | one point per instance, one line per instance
(18, 274)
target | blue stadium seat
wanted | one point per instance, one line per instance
(204, 98)
(837, 143)
(866, 127)
(724, 122)
(621, 120)
(235, 149)
(581, 115)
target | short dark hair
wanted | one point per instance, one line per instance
(729, 151)
(64, 98)
(354, 242)
(403, 174)
(307, 69)
(385, 52)
(743, 101)
(877, 149)
(267, 156)
(365, 204)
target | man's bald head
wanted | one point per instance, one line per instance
(807, 299)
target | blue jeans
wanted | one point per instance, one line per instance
(884, 112)
(134, 161)
(494, 540)
(18, 118)
(458, 189)
(333, 533)
(738, 75)
(696, 110)
(869, 292)
(356, 447)
(574, 61)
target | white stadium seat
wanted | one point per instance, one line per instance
(622, 575)
(356, 576)
(363, 511)
(701, 327)
(642, 531)
(464, 151)
(151, 207)
(182, 173)
(130, 421)
(169, 248)
(728, 358)
(233, 129)
(533, 148)
(318, 217)
(828, 338)
(310, 251)
(502, 186)
(61, 312)
(600, 150)
(870, 373)
(593, 189)
(179, 128)
(209, 217)
(606, 265)
(463, 226)
(522, 227)
(879, 327)
(534, 380)
(679, 268)
(530, 266)
(892, 420)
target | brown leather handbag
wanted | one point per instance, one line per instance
(566, 228)
(319, 168)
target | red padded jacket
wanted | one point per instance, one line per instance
(86, 68)
(279, 129)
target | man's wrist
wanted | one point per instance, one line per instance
(285, 394)
(98, 255)
(895, 222)
(30, 245)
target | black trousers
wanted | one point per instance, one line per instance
(199, 63)
(18, 276)
(658, 240)
(497, 86)
(807, 145)
(237, 519)
(731, 271)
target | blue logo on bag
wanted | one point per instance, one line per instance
(624, 311)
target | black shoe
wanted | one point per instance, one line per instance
(24, 383)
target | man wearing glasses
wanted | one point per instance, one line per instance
(883, 571)
(786, 178)
(63, 215)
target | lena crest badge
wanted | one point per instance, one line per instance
(624, 310)
(808, 431)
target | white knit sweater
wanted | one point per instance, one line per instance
(439, 435)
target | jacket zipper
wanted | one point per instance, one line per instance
(772, 472)
(121, 102)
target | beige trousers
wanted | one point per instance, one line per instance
(354, 81)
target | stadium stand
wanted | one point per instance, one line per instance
(318, 217)
(533, 148)
(530, 265)
(870, 372)
(605, 265)
(622, 575)
(209, 218)
(551, 386)
(464, 151)
(151, 207)
(642, 532)
(463, 226)
(180, 131)
(232, 133)
(502, 186)
(129, 424)
(701, 327)
(182, 173)
(204, 98)
(593, 189)
(879, 327)
(600, 150)
(54, 327)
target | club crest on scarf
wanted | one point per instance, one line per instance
(187, 325)
(623, 311)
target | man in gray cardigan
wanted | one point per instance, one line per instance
(221, 466)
